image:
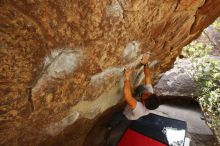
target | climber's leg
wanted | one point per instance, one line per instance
(119, 125)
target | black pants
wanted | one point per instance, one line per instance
(118, 126)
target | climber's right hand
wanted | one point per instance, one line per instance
(127, 73)
(145, 58)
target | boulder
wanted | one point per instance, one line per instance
(61, 62)
(177, 81)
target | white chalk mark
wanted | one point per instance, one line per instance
(131, 50)
(62, 62)
(58, 64)
(114, 10)
(90, 109)
(106, 73)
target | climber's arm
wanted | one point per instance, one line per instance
(128, 96)
(127, 90)
(144, 62)
(147, 75)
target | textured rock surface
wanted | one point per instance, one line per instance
(176, 82)
(61, 61)
(201, 140)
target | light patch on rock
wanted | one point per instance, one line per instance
(58, 64)
(55, 128)
(50, 57)
(90, 109)
(131, 50)
(169, 83)
(62, 62)
(106, 73)
(114, 10)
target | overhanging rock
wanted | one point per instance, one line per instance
(59, 57)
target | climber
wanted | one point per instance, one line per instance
(135, 108)
(148, 100)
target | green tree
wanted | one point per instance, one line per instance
(205, 72)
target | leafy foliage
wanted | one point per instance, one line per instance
(196, 49)
(216, 24)
(206, 74)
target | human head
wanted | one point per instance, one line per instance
(150, 100)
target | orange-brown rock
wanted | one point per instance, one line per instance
(61, 61)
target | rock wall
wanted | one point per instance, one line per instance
(176, 82)
(61, 62)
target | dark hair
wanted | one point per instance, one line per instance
(139, 91)
(152, 102)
